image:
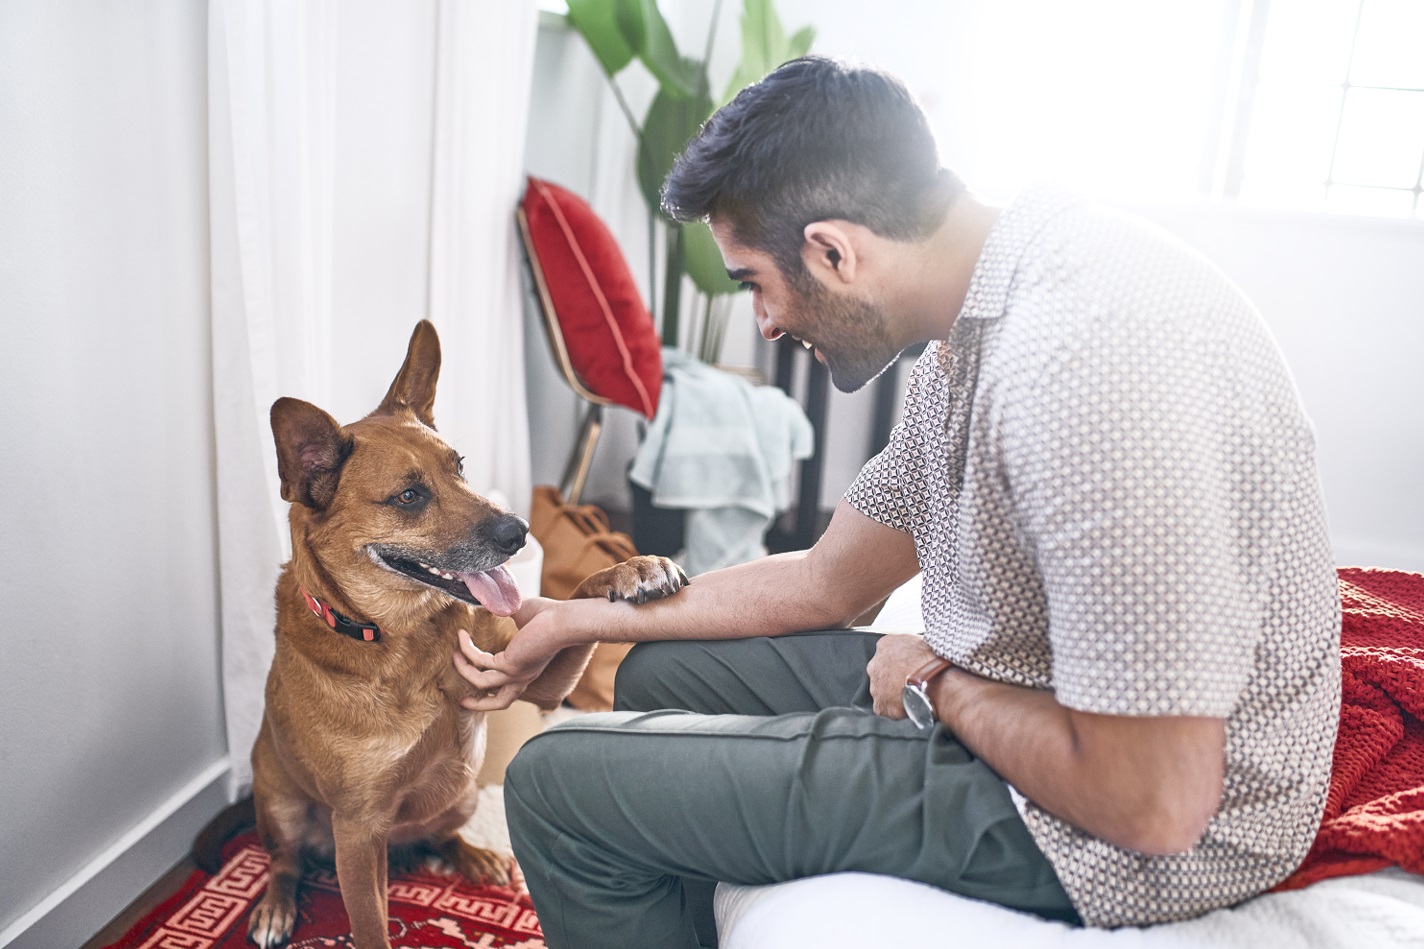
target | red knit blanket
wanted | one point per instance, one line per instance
(1374, 816)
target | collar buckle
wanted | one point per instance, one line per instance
(366, 632)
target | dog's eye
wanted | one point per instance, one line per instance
(408, 496)
(460, 466)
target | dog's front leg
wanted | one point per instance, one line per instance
(559, 677)
(361, 867)
(270, 924)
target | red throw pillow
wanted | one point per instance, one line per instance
(607, 330)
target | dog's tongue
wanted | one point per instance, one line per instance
(495, 589)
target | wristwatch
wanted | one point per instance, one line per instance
(916, 697)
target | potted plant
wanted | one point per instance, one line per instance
(620, 32)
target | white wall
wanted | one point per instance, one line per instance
(108, 648)
(1345, 300)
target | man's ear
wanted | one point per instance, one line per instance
(829, 252)
(414, 385)
(311, 448)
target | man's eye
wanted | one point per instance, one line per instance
(744, 285)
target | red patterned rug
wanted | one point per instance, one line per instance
(428, 910)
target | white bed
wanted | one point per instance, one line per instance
(1383, 910)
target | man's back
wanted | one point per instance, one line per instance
(1127, 512)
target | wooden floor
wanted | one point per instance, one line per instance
(166, 886)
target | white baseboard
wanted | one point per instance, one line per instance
(86, 902)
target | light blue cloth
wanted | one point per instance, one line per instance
(722, 449)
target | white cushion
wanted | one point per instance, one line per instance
(1383, 910)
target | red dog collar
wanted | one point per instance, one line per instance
(367, 632)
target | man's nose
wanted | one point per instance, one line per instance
(764, 322)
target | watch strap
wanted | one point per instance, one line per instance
(922, 676)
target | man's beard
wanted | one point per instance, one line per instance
(852, 337)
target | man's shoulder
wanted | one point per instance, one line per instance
(1098, 235)
(1087, 262)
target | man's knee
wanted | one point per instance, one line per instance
(537, 785)
(529, 771)
(643, 676)
(552, 767)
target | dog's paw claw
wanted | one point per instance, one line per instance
(645, 579)
(516, 877)
(639, 580)
(477, 864)
(271, 926)
(489, 868)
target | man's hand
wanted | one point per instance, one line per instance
(897, 656)
(502, 677)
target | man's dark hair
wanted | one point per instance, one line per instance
(816, 140)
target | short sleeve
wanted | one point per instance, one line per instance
(1130, 494)
(878, 491)
(891, 486)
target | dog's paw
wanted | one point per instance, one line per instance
(270, 924)
(516, 878)
(476, 864)
(637, 580)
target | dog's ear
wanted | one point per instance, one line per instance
(311, 448)
(414, 387)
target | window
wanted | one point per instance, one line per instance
(1330, 111)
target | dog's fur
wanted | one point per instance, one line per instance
(364, 745)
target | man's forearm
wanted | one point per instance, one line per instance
(764, 597)
(852, 567)
(1145, 784)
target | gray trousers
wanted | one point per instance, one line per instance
(752, 761)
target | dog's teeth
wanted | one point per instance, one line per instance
(434, 570)
(806, 344)
(448, 576)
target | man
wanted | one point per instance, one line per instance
(1131, 656)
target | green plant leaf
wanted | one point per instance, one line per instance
(764, 45)
(668, 127)
(763, 39)
(645, 30)
(703, 261)
(799, 44)
(597, 23)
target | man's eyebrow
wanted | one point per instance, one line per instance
(741, 273)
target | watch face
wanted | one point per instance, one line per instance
(917, 705)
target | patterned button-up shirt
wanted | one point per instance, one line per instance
(1112, 490)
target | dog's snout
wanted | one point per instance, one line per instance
(508, 533)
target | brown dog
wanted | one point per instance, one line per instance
(364, 744)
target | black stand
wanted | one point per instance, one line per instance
(807, 519)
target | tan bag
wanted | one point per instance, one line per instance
(578, 542)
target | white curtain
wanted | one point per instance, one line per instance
(273, 87)
(484, 66)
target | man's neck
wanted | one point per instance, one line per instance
(937, 271)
